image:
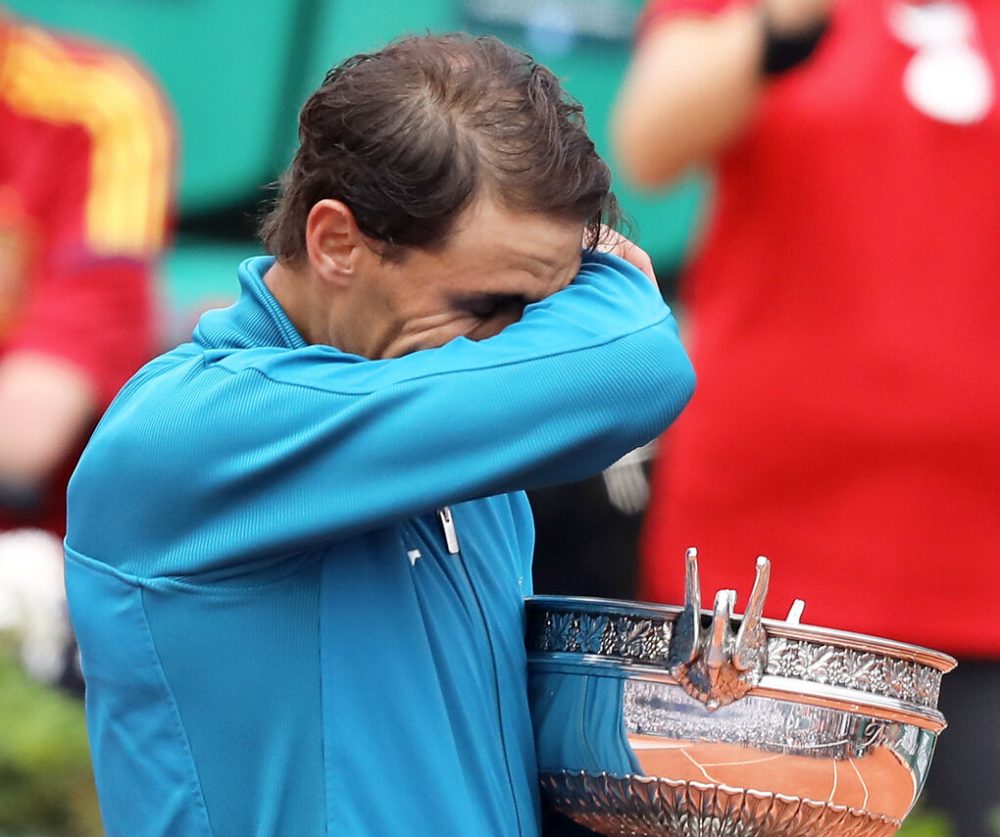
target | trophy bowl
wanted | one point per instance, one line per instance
(676, 722)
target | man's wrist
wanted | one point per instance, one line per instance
(784, 48)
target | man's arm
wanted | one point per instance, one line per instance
(279, 451)
(45, 404)
(696, 79)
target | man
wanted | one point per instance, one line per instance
(297, 545)
(85, 173)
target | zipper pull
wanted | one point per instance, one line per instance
(450, 532)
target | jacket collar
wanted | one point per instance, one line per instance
(255, 320)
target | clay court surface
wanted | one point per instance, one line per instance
(878, 782)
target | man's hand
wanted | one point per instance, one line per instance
(617, 245)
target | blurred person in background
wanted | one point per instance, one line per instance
(843, 309)
(85, 184)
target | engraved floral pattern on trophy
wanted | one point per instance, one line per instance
(851, 669)
(621, 637)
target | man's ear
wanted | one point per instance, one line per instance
(333, 241)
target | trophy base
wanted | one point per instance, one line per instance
(642, 806)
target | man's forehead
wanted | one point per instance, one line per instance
(532, 238)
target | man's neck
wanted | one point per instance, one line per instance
(305, 301)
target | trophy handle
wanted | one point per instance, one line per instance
(751, 641)
(687, 629)
(714, 666)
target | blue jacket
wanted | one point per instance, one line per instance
(283, 630)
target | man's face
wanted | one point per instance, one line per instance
(495, 262)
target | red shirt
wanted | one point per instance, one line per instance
(85, 166)
(844, 310)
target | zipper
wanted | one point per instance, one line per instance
(451, 540)
(450, 532)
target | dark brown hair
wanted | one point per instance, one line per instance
(409, 135)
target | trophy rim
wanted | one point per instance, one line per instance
(869, 643)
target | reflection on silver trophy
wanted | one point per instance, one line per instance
(677, 722)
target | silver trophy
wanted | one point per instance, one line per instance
(677, 722)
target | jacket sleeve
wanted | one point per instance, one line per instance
(284, 450)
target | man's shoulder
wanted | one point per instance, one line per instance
(154, 418)
(158, 387)
(192, 381)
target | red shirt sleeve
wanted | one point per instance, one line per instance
(102, 206)
(97, 315)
